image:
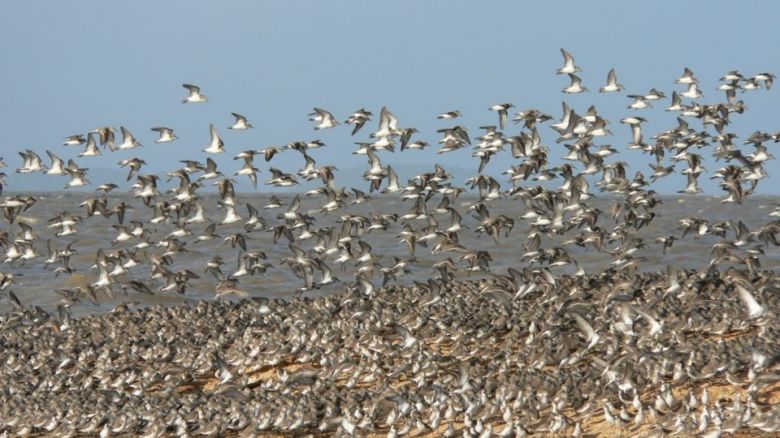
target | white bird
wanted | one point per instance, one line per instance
(687, 77)
(74, 140)
(90, 149)
(31, 162)
(640, 102)
(57, 165)
(78, 177)
(693, 91)
(216, 146)
(587, 330)
(693, 185)
(128, 140)
(166, 134)
(249, 170)
(241, 122)
(210, 171)
(502, 110)
(612, 83)
(655, 327)
(449, 115)
(575, 86)
(654, 94)
(231, 215)
(755, 310)
(768, 79)
(323, 118)
(388, 124)
(195, 96)
(676, 103)
(568, 64)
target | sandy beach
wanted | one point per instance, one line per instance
(426, 360)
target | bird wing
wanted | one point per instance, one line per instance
(754, 308)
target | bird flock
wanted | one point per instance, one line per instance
(543, 347)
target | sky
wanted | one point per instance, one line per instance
(70, 67)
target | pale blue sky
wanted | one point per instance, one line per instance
(69, 67)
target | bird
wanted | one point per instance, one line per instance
(569, 66)
(249, 170)
(359, 119)
(324, 119)
(575, 86)
(134, 164)
(128, 140)
(687, 77)
(166, 134)
(57, 165)
(31, 162)
(755, 310)
(612, 83)
(581, 300)
(640, 102)
(74, 140)
(195, 95)
(449, 115)
(241, 122)
(90, 148)
(216, 146)
(502, 109)
(693, 91)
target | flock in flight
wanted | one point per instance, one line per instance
(367, 332)
(547, 211)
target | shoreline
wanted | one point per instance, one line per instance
(469, 354)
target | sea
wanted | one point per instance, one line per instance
(37, 285)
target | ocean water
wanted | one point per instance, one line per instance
(36, 283)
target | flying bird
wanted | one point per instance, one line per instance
(612, 83)
(216, 146)
(241, 122)
(166, 134)
(569, 66)
(324, 119)
(195, 95)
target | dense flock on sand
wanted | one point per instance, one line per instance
(540, 347)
